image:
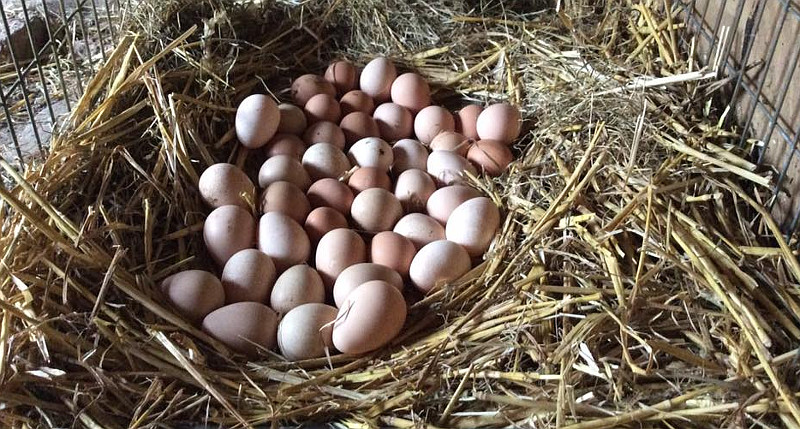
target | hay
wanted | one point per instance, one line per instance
(637, 280)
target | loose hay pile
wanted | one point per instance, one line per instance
(637, 282)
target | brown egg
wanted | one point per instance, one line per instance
(297, 285)
(283, 167)
(227, 230)
(448, 167)
(285, 144)
(342, 74)
(324, 132)
(438, 262)
(305, 332)
(369, 177)
(246, 327)
(356, 101)
(371, 152)
(500, 122)
(376, 210)
(323, 160)
(283, 240)
(473, 225)
(358, 125)
(408, 154)
(331, 193)
(257, 119)
(194, 293)
(452, 141)
(337, 250)
(377, 77)
(287, 198)
(392, 250)
(322, 107)
(372, 315)
(442, 202)
(293, 120)
(411, 91)
(309, 85)
(431, 121)
(358, 274)
(395, 122)
(413, 188)
(491, 156)
(225, 184)
(467, 121)
(322, 220)
(421, 229)
(248, 276)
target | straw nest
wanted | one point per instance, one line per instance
(636, 282)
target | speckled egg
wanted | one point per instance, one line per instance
(324, 132)
(371, 152)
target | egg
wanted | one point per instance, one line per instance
(467, 121)
(342, 74)
(322, 107)
(257, 119)
(473, 225)
(452, 141)
(443, 201)
(323, 160)
(356, 101)
(394, 121)
(431, 121)
(331, 193)
(448, 167)
(500, 122)
(392, 250)
(309, 85)
(225, 184)
(322, 220)
(297, 285)
(376, 210)
(324, 132)
(194, 293)
(377, 77)
(337, 250)
(293, 120)
(369, 177)
(372, 315)
(420, 229)
(491, 156)
(287, 198)
(283, 167)
(411, 91)
(285, 144)
(408, 154)
(283, 240)
(358, 274)
(371, 152)
(227, 230)
(358, 125)
(305, 331)
(413, 188)
(246, 327)
(248, 276)
(438, 262)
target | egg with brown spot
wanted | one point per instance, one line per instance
(356, 101)
(324, 132)
(309, 85)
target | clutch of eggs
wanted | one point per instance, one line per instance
(361, 197)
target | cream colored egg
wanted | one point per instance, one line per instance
(305, 332)
(322, 107)
(452, 141)
(225, 184)
(297, 285)
(413, 188)
(283, 167)
(358, 274)
(337, 250)
(371, 152)
(323, 160)
(194, 293)
(248, 276)
(377, 78)
(247, 327)
(283, 240)
(438, 262)
(420, 229)
(394, 121)
(442, 202)
(408, 154)
(473, 225)
(371, 316)
(431, 121)
(448, 167)
(376, 210)
(257, 119)
(227, 230)
(411, 91)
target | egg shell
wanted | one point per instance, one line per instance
(420, 228)
(408, 154)
(442, 202)
(392, 250)
(394, 121)
(501, 122)
(322, 220)
(285, 144)
(287, 198)
(371, 316)
(309, 85)
(322, 107)
(413, 188)
(452, 141)
(448, 167)
(245, 327)
(376, 210)
(293, 120)
(323, 160)
(194, 293)
(283, 240)
(297, 285)
(305, 331)
(225, 184)
(283, 167)
(490, 156)
(411, 91)
(467, 121)
(377, 77)
(431, 121)
(473, 225)
(371, 152)
(324, 132)
(342, 74)
(438, 262)
(248, 276)
(257, 119)
(358, 125)
(369, 177)
(227, 230)
(356, 101)
(332, 193)
(337, 250)
(358, 274)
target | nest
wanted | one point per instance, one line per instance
(637, 280)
